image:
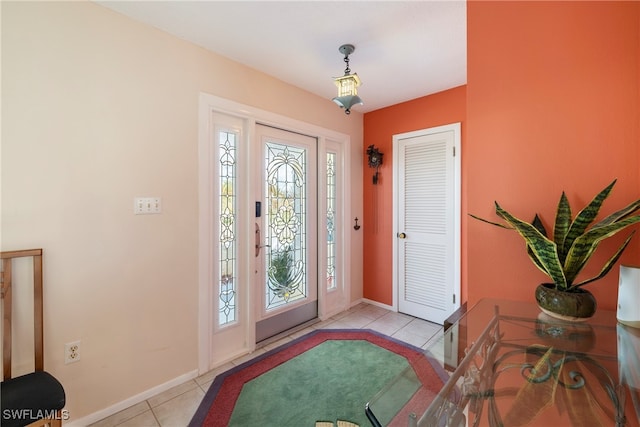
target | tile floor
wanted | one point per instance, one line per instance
(176, 406)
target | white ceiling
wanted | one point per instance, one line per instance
(404, 49)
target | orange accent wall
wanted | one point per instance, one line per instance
(553, 101)
(379, 127)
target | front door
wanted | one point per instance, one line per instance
(274, 244)
(426, 192)
(285, 231)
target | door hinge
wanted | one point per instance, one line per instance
(454, 298)
(454, 151)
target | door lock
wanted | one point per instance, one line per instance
(402, 236)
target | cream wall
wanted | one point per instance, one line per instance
(96, 110)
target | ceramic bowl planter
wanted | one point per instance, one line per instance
(575, 306)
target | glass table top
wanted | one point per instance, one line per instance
(504, 363)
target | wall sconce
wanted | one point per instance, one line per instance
(347, 84)
(375, 160)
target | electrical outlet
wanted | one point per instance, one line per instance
(71, 352)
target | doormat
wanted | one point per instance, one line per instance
(326, 375)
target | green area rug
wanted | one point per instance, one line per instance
(332, 381)
(327, 375)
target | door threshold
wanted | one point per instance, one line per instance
(286, 333)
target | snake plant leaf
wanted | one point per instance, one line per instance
(544, 249)
(562, 225)
(630, 209)
(584, 218)
(536, 261)
(607, 267)
(537, 223)
(584, 246)
(490, 222)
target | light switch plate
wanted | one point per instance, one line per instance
(147, 205)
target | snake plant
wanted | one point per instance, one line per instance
(563, 255)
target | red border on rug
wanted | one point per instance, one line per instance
(226, 393)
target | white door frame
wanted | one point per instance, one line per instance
(456, 128)
(208, 104)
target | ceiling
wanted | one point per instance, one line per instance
(404, 49)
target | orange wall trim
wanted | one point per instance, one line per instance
(379, 127)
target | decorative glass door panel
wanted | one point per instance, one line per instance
(227, 309)
(288, 260)
(331, 202)
(286, 199)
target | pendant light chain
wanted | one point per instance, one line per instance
(347, 70)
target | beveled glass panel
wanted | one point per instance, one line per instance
(227, 290)
(286, 199)
(331, 226)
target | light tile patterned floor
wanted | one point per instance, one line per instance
(176, 406)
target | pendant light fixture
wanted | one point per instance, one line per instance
(347, 84)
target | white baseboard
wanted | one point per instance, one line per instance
(113, 409)
(376, 303)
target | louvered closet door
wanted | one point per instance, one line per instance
(425, 249)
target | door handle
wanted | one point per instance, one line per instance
(258, 241)
(402, 236)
